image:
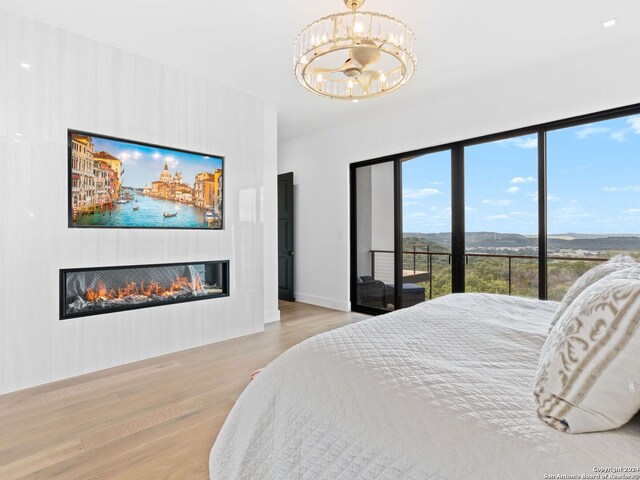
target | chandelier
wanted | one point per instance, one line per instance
(354, 55)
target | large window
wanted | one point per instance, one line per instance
(426, 225)
(501, 197)
(518, 213)
(593, 197)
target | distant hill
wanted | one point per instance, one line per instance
(602, 243)
(568, 241)
(577, 236)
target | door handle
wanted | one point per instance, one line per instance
(290, 252)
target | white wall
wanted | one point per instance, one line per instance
(78, 83)
(583, 83)
(269, 194)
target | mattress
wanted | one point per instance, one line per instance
(441, 390)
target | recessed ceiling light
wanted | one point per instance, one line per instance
(25, 65)
(609, 23)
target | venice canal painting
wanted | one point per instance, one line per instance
(122, 184)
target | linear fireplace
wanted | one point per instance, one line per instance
(93, 291)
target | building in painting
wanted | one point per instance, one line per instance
(170, 187)
(95, 176)
(83, 186)
(115, 164)
(208, 190)
(106, 182)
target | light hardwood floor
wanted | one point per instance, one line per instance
(154, 419)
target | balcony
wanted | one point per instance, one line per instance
(506, 274)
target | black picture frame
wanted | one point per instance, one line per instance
(70, 212)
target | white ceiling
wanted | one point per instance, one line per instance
(248, 45)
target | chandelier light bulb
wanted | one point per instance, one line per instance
(354, 54)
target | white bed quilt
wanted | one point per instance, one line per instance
(442, 390)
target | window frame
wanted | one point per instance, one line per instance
(458, 198)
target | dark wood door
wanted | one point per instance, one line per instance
(285, 236)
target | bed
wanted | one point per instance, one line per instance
(441, 390)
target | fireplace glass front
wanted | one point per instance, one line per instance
(92, 291)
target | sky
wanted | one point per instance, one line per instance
(142, 164)
(593, 183)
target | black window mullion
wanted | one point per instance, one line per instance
(542, 214)
(398, 234)
(457, 219)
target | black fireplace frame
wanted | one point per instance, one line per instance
(65, 271)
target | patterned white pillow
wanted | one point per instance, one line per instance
(589, 278)
(589, 373)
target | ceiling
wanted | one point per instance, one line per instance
(248, 45)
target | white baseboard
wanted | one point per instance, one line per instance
(272, 316)
(323, 302)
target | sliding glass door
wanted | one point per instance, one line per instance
(517, 213)
(374, 252)
(501, 210)
(426, 227)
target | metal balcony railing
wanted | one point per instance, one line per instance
(382, 264)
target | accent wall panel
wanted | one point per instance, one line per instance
(74, 82)
(4, 144)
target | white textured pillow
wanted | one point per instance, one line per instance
(589, 278)
(589, 373)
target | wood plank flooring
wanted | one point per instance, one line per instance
(154, 419)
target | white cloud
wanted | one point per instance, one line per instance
(520, 214)
(634, 127)
(569, 213)
(436, 182)
(156, 155)
(128, 158)
(550, 197)
(420, 193)
(630, 215)
(627, 188)
(498, 217)
(619, 136)
(590, 130)
(171, 161)
(522, 142)
(513, 189)
(634, 123)
(497, 203)
(522, 180)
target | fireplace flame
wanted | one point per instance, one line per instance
(152, 288)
